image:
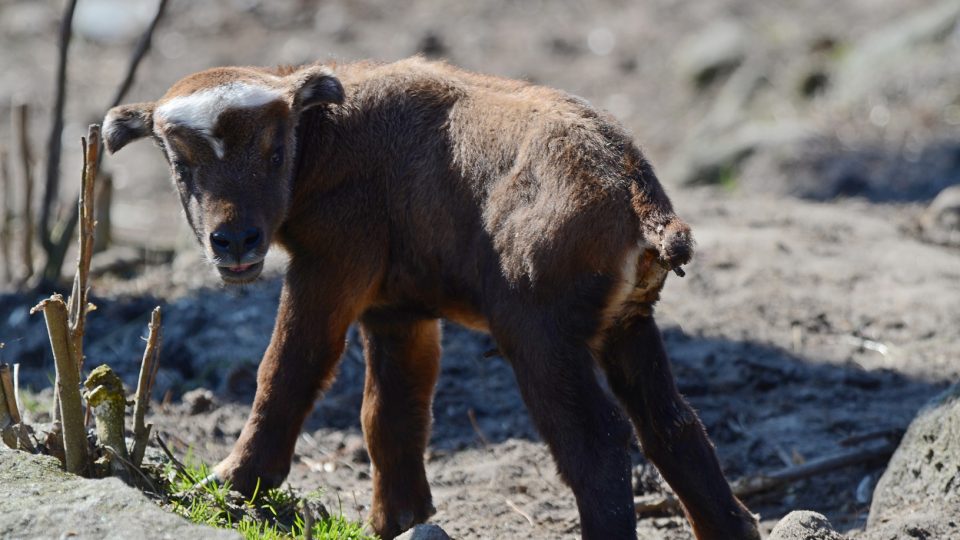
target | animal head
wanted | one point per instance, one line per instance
(229, 135)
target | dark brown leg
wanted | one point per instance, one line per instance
(308, 339)
(403, 361)
(671, 433)
(587, 434)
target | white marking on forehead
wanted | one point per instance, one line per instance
(201, 110)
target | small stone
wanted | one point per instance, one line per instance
(940, 222)
(425, 531)
(804, 525)
(199, 400)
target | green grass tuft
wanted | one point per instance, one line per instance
(272, 515)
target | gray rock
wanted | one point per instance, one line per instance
(39, 500)
(804, 525)
(940, 222)
(425, 531)
(922, 480)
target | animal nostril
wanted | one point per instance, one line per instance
(251, 238)
(220, 240)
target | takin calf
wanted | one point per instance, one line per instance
(414, 191)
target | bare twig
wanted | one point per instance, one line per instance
(476, 427)
(103, 204)
(77, 305)
(141, 431)
(131, 468)
(78, 299)
(173, 459)
(752, 485)
(755, 484)
(893, 434)
(647, 505)
(52, 186)
(143, 45)
(68, 383)
(22, 130)
(517, 509)
(9, 393)
(6, 216)
(16, 383)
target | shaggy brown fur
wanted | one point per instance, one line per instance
(414, 191)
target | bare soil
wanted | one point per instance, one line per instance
(810, 314)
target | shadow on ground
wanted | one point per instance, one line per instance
(763, 406)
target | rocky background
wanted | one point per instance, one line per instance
(812, 146)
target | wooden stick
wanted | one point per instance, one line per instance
(78, 299)
(103, 203)
(472, 416)
(173, 459)
(6, 217)
(517, 509)
(68, 383)
(752, 485)
(16, 383)
(9, 394)
(141, 431)
(52, 186)
(22, 130)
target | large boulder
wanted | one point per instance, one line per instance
(919, 493)
(39, 500)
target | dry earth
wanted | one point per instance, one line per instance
(811, 313)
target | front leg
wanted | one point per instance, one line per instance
(308, 340)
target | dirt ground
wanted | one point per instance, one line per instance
(811, 313)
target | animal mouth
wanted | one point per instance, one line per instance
(240, 273)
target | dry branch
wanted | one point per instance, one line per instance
(78, 305)
(6, 217)
(57, 240)
(104, 394)
(143, 45)
(141, 431)
(21, 129)
(103, 203)
(52, 186)
(78, 299)
(752, 485)
(68, 383)
(9, 393)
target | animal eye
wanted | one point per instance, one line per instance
(277, 157)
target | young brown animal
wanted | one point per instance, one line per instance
(414, 191)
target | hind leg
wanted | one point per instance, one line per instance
(403, 357)
(586, 433)
(670, 432)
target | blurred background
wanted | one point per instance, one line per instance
(815, 99)
(813, 145)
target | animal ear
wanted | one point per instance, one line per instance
(127, 123)
(313, 86)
